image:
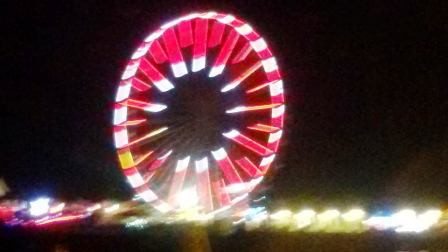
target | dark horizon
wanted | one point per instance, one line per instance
(364, 83)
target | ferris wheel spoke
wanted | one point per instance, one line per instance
(185, 33)
(147, 136)
(200, 44)
(242, 54)
(157, 52)
(178, 179)
(146, 106)
(247, 142)
(224, 54)
(216, 34)
(274, 140)
(249, 167)
(139, 84)
(159, 161)
(235, 83)
(222, 196)
(226, 166)
(203, 184)
(265, 163)
(178, 65)
(155, 76)
(142, 158)
(259, 87)
(131, 122)
(263, 128)
(240, 109)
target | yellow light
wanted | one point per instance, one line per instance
(304, 218)
(355, 214)
(112, 208)
(328, 215)
(281, 215)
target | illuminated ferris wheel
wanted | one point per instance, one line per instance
(199, 113)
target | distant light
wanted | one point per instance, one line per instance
(283, 214)
(58, 208)
(354, 215)
(137, 223)
(304, 218)
(39, 207)
(420, 223)
(329, 215)
(94, 207)
(112, 208)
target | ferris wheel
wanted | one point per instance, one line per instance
(199, 113)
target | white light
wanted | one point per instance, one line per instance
(239, 198)
(155, 35)
(227, 19)
(254, 182)
(219, 154)
(216, 70)
(39, 207)
(244, 29)
(404, 216)
(182, 164)
(121, 138)
(189, 16)
(421, 222)
(231, 134)
(112, 208)
(267, 160)
(58, 208)
(123, 91)
(380, 222)
(198, 64)
(165, 155)
(135, 180)
(229, 86)
(278, 111)
(163, 85)
(269, 64)
(120, 115)
(162, 207)
(209, 14)
(171, 23)
(188, 198)
(148, 196)
(155, 108)
(236, 188)
(94, 207)
(276, 88)
(274, 137)
(201, 165)
(259, 45)
(179, 69)
(141, 51)
(130, 70)
(236, 110)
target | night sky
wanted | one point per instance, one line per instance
(365, 83)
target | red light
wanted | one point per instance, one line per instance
(216, 34)
(185, 34)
